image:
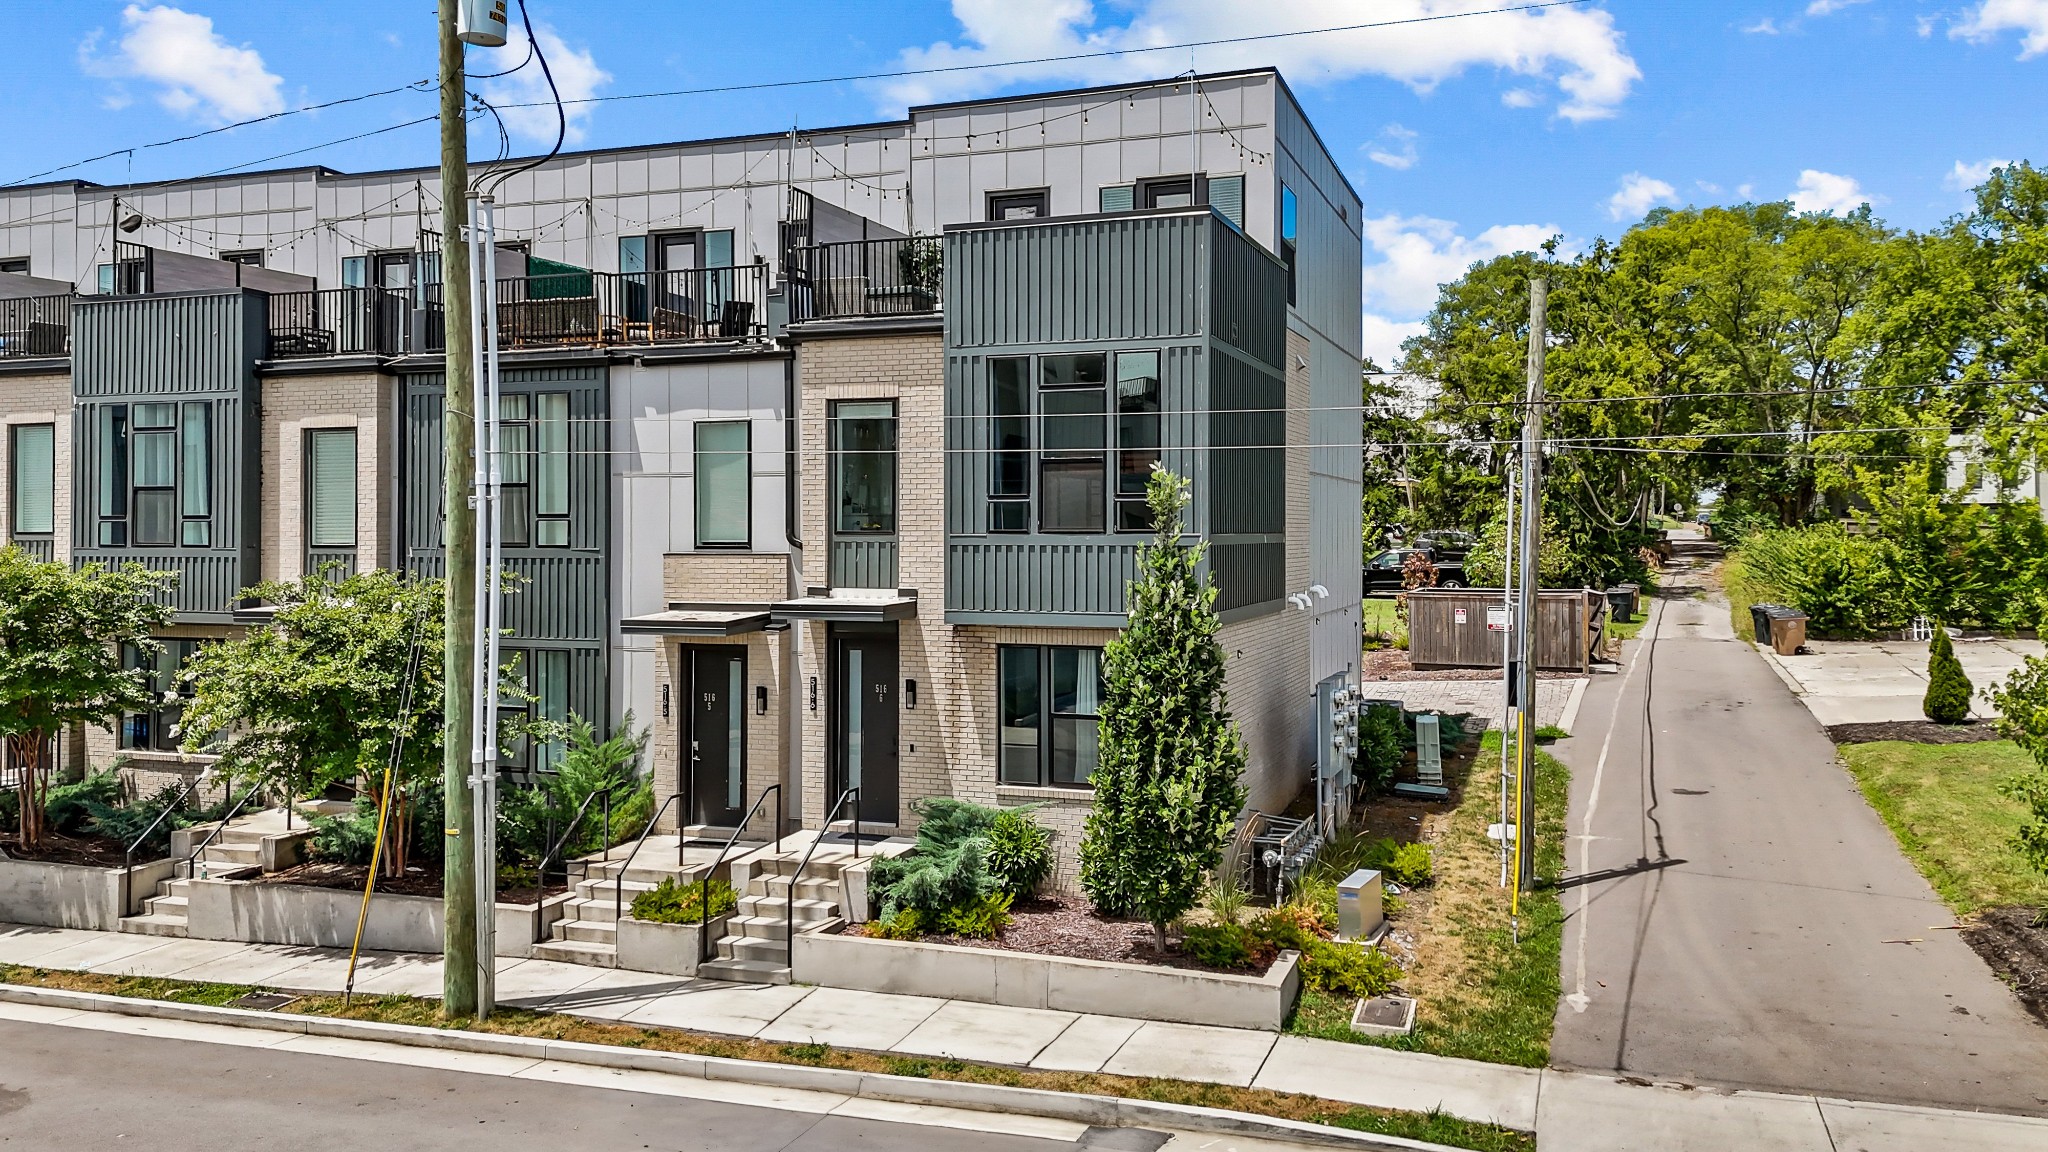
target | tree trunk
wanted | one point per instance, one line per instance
(1159, 936)
(28, 760)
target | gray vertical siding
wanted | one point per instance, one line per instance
(1134, 277)
(196, 347)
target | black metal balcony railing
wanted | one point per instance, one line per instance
(894, 277)
(35, 326)
(338, 321)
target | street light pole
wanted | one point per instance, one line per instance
(1525, 625)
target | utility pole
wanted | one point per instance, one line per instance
(1525, 623)
(458, 543)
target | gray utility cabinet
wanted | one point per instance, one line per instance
(165, 423)
(1183, 283)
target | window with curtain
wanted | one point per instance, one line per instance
(724, 483)
(551, 470)
(1137, 437)
(32, 479)
(153, 455)
(1048, 701)
(863, 454)
(515, 467)
(331, 488)
(1073, 422)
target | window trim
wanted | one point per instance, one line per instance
(15, 265)
(833, 452)
(1290, 228)
(1045, 717)
(312, 491)
(1042, 195)
(1143, 193)
(697, 450)
(15, 485)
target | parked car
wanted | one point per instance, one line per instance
(1447, 545)
(1383, 573)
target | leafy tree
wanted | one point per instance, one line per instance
(1169, 781)
(315, 698)
(1948, 689)
(61, 638)
(531, 819)
(2022, 703)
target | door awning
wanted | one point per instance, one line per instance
(842, 609)
(699, 620)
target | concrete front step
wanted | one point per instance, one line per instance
(806, 910)
(154, 924)
(586, 931)
(745, 971)
(809, 888)
(753, 948)
(587, 952)
(770, 927)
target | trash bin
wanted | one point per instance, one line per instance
(1621, 604)
(1635, 597)
(1760, 621)
(1788, 631)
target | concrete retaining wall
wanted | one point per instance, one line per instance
(74, 895)
(1027, 980)
(306, 916)
(671, 949)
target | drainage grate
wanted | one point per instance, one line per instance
(261, 1001)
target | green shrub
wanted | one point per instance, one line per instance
(1293, 926)
(984, 919)
(345, 839)
(905, 924)
(673, 903)
(126, 824)
(949, 866)
(1948, 689)
(1019, 852)
(532, 818)
(1347, 970)
(69, 806)
(1315, 898)
(1225, 946)
(1225, 897)
(1409, 865)
(1383, 736)
(1847, 585)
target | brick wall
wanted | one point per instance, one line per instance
(294, 405)
(767, 745)
(725, 578)
(42, 399)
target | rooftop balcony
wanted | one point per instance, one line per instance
(898, 276)
(33, 326)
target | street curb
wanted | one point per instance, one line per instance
(1571, 704)
(1101, 1111)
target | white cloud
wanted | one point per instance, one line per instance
(1636, 196)
(196, 71)
(1520, 98)
(1383, 339)
(1826, 192)
(1964, 176)
(1988, 19)
(1577, 49)
(1746, 191)
(1763, 27)
(1395, 149)
(1411, 257)
(1830, 7)
(577, 76)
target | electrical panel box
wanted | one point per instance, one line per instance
(1429, 750)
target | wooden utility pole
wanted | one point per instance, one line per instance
(1525, 623)
(458, 542)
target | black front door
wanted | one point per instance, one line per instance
(714, 740)
(864, 723)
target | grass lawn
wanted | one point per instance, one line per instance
(1429, 1127)
(1943, 804)
(1380, 620)
(1482, 994)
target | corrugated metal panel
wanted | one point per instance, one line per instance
(41, 549)
(208, 584)
(1248, 305)
(1248, 573)
(1247, 477)
(157, 345)
(1039, 576)
(1128, 278)
(862, 563)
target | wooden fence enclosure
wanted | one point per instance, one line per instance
(1448, 628)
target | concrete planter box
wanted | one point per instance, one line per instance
(306, 916)
(75, 895)
(1026, 980)
(670, 949)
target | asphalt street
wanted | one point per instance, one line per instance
(91, 1090)
(1736, 913)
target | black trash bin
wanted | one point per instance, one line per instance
(1760, 620)
(1621, 603)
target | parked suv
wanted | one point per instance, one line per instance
(1383, 572)
(1447, 545)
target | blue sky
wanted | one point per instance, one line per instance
(1466, 137)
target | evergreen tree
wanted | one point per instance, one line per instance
(1168, 783)
(1948, 689)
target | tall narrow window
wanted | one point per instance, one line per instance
(551, 692)
(1137, 437)
(1289, 220)
(154, 455)
(1017, 672)
(551, 470)
(113, 476)
(331, 480)
(1009, 473)
(1076, 694)
(863, 442)
(195, 475)
(515, 468)
(1073, 410)
(32, 479)
(724, 480)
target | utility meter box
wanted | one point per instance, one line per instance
(1361, 911)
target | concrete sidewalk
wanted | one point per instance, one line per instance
(1870, 681)
(1583, 1113)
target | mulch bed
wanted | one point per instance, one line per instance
(1072, 929)
(417, 881)
(2014, 941)
(90, 851)
(1914, 732)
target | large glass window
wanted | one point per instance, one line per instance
(153, 460)
(331, 488)
(515, 468)
(113, 476)
(1049, 700)
(1009, 478)
(724, 483)
(32, 479)
(1073, 410)
(863, 443)
(155, 475)
(1137, 437)
(157, 730)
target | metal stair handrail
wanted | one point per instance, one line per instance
(218, 829)
(619, 880)
(540, 873)
(704, 897)
(789, 917)
(128, 858)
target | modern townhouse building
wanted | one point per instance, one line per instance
(823, 444)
